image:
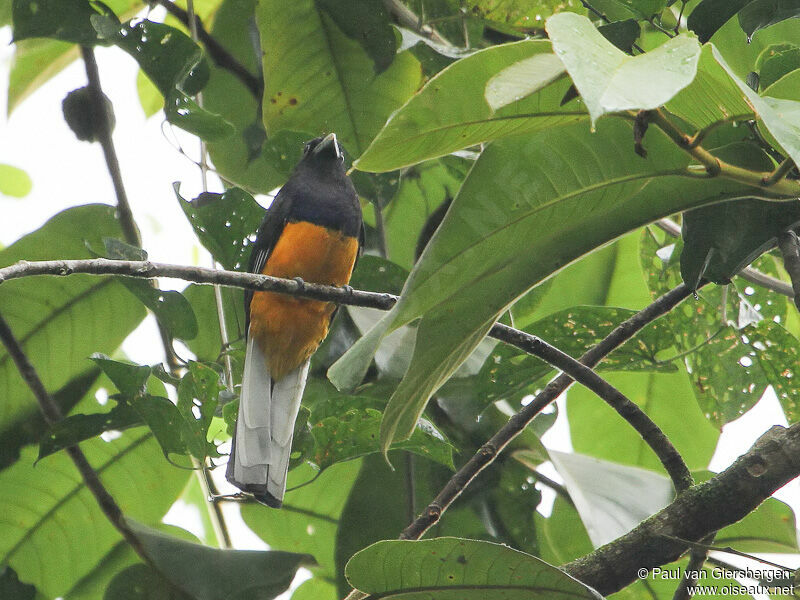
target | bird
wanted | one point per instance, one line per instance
(313, 232)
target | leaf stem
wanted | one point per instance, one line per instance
(779, 173)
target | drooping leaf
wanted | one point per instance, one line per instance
(759, 14)
(128, 377)
(61, 321)
(453, 112)
(391, 569)
(187, 114)
(14, 181)
(710, 15)
(611, 498)
(171, 309)
(623, 34)
(64, 517)
(608, 81)
(367, 22)
(206, 573)
(541, 219)
(223, 223)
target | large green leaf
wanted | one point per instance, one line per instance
(207, 573)
(65, 20)
(608, 78)
(457, 568)
(763, 13)
(710, 15)
(553, 199)
(769, 528)
(454, 109)
(666, 398)
(712, 97)
(61, 321)
(318, 80)
(55, 536)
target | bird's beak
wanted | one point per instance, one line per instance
(329, 144)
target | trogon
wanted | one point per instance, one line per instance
(312, 231)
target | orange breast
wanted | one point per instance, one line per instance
(290, 329)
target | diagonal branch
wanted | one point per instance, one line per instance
(772, 462)
(221, 57)
(52, 414)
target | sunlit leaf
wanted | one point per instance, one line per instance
(14, 181)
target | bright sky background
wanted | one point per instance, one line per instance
(67, 172)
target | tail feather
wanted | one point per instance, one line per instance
(262, 441)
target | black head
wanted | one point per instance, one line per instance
(323, 153)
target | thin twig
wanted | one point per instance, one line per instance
(52, 415)
(697, 558)
(558, 488)
(750, 274)
(380, 227)
(790, 249)
(781, 171)
(650, 432)
(221, 57)
(406, 17)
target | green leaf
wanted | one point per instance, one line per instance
(79, 428)
(171, 309)
(368, 23)
(666, 398)
(562, 536)
(56, 536)
(763, 13)
(65, 20)
(309, 519)
(246, 158)
(11, 587)
(623, 34)
(140, 582)
(769, 528)
(712, 97)
(710, 15)
(722, 239)
(318, 80)
(198, 397)
(625, 9)
(149, 97)
(208, 573)
(778, 116)
(128, 377)
(223, 223)
(355, 432)
(611, 498)
(166, 423)
(207, 346)
(185, 113)
(608, 82)
(453, 110)
(61, 321)
(548, 196)
(463, 567)
(14, 182)
(777, 61)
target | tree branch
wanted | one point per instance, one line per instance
(516, 424)
(52, 414)
(650, 432)
(406, 17)
(221, 57)
(772, 462)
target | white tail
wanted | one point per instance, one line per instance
(262, 442)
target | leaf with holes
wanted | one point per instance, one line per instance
(223, 222)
